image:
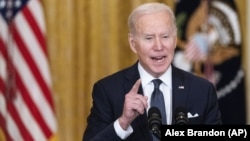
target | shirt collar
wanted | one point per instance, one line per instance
(146, 78)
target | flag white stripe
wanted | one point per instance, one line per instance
(3, 66)
(27, 119)
(33, 46)
(36, 9)
(193, 53)
(11, 126)
(13, 129)
(2, 104)
(34, 90)
(3, 30)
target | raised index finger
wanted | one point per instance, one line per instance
(136, 86)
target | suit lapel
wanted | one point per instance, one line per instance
(131, 76)
(138, 124)
(180, 90)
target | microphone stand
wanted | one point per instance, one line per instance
(157, 133)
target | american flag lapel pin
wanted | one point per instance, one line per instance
(181, 87)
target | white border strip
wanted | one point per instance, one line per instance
(248, 62)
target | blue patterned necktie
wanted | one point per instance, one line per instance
(157, 99)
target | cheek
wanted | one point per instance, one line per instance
(142, 52)
(142, 47)
(171, 45)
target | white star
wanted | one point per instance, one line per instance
(18, 3)
(2, 4)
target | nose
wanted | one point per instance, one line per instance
(157, 44)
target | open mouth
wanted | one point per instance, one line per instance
(158, 59)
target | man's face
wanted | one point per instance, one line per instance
(154, 42)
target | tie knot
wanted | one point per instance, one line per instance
(157, 83)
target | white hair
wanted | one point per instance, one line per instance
(148, 8)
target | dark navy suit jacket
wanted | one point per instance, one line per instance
(194, 93)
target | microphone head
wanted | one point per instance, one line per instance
(154, 118)
(181, 116)
(154, 111)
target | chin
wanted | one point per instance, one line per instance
(158, 72)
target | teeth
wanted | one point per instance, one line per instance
(158, 58)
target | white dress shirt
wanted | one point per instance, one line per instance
(165, 87)
(148, 87)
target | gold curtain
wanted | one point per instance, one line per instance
(87, 39)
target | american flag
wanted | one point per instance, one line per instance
(27, 110)
(197, 48)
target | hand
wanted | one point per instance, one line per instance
(134, 105)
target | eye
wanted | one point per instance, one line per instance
(165, 36)
(148, 38)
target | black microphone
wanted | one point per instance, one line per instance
(154, 121)
(181, 116)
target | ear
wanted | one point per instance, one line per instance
(132, 42)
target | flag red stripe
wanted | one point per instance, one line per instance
(1, 85)
(30, 103)
(3, 49)
(33, 67)
(3, 126)
(39, 36)
(22, 129)
(4, 54)
(33, 109)
(32, 106)
(14, 80)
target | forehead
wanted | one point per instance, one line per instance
(154, 21)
